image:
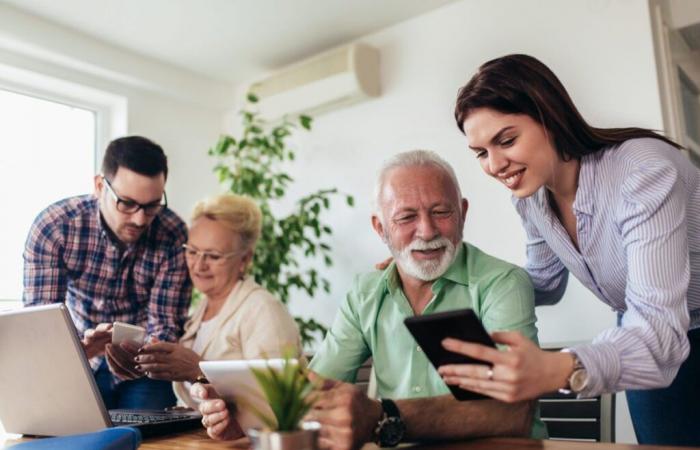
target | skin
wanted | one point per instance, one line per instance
(216, 280)
(129, 185)
(416, 202)
(94, 340)
(126, 229)
(419, 202)
(516, 150)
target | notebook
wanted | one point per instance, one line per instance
(47, 387)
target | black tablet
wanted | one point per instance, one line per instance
(430, 330)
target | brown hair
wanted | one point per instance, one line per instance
(521, 84)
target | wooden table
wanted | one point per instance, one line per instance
(199, 440)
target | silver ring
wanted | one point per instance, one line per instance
(489, 374)
(204, 422)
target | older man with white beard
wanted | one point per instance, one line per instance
(420, 215)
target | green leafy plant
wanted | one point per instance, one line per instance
(254, 165)
(289, 393)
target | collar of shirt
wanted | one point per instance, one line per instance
(586, 189)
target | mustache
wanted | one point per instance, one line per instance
(420, 244)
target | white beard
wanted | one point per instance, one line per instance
(425, 270)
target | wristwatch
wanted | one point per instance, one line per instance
(390, 428)
(578, 380)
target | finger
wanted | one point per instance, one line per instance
(158, 347)
(511, 338)
(121, 361)
(476, 351)
(217, 418)
(152, 358)
(104, 327)
(129, 347)
(212, 406)
(153, 367)
(384, 264)
(114, 364)
(464, 370)
(490, 388)
(163, 375)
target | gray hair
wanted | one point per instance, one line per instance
(412, 158)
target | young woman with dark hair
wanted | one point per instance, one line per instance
(619, 208)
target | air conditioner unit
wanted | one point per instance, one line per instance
(319, 84)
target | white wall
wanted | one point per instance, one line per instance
(601, 50)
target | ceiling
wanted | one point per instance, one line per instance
(230, 40)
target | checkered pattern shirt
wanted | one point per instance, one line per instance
(69, 256)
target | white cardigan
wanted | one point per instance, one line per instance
(251, 324)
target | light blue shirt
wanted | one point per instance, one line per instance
(637, 211)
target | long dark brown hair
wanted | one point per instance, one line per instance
(521, 84)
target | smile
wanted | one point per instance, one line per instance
(513, 179)
(427, 253)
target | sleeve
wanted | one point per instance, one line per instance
(549, 275)
(171, 295)
(344, 349)
(651, 343)
(267, 329)
(45, 278)
(508, 304)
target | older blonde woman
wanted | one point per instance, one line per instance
(237, 318)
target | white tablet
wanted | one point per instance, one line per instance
(234, 381)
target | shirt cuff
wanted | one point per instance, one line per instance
(602, 363)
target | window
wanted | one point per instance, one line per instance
(47, 152)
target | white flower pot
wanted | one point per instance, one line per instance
(304, 439)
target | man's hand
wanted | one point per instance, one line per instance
(120, 359)
(95, 339)
(168, 361)
(216, 416)
(347, 416)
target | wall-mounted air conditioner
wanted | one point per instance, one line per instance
(319, 84)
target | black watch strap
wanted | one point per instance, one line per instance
(390, 408)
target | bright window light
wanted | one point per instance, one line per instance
(47, 152)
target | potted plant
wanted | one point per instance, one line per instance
(253, 164)
(289, 393)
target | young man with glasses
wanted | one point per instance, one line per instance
(116, 255)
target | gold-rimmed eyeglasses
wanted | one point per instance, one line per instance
(192, 254)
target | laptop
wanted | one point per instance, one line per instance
(47, 387)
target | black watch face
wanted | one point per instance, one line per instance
(391, 432)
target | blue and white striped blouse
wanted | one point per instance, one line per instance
(637, 211)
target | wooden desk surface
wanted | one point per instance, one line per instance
(199, 440)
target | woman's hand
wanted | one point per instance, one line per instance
(168, 361)
(216, 416)
(522, 372)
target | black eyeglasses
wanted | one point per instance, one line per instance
(131, 207)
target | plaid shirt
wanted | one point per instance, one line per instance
(69, 256)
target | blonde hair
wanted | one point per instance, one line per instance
(238, 213)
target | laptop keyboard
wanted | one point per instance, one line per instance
(119, 418)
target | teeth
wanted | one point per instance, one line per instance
(512, 179)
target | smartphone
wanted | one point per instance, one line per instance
(429, 331)
(125, 332)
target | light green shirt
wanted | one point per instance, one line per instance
(370, 323)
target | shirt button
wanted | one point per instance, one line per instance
(417, 389)
(418, 349)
